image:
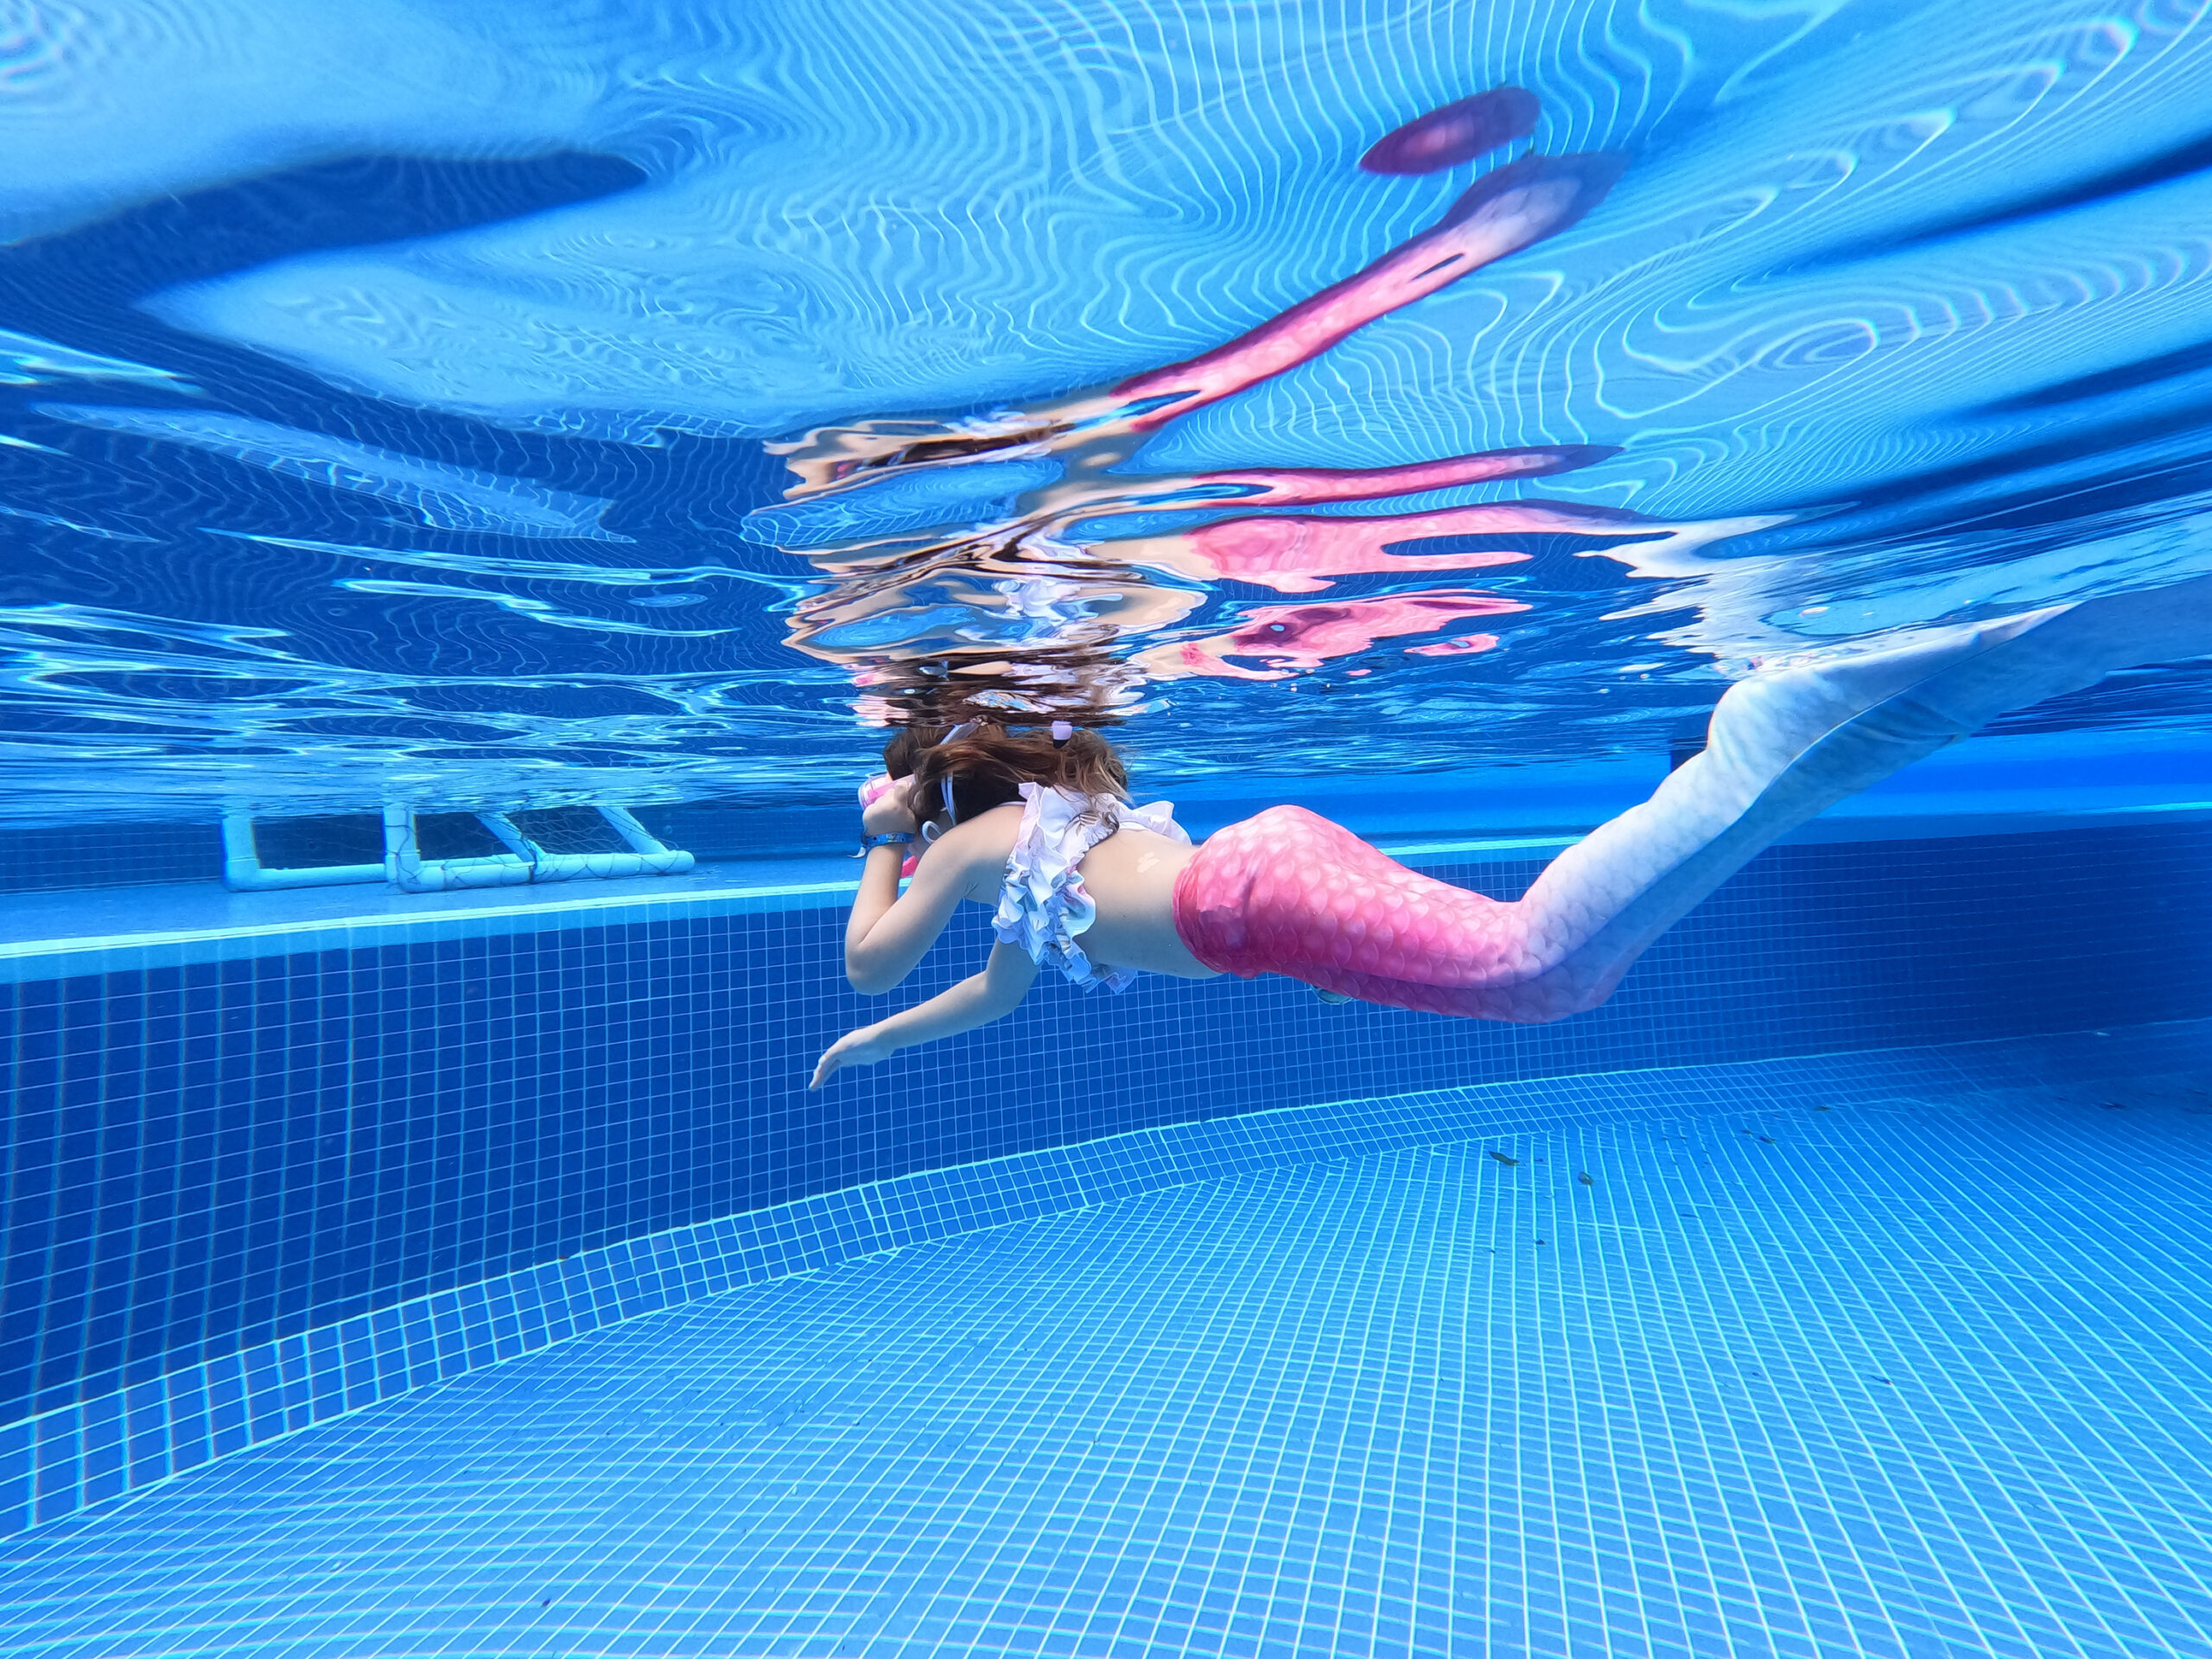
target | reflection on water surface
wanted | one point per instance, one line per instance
(1452, 388)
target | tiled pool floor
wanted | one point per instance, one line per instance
(1925, 1377)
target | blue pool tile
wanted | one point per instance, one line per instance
(1858, 1380)
(508, 1100)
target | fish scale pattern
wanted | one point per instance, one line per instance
(1908, 1377)
(1285, 891)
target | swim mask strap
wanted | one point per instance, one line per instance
(963, 729)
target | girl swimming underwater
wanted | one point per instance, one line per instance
(1099, 890)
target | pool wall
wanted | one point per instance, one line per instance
(209, 1157)
(114, 1443)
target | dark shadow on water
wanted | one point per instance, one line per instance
(2178, 163)
(350, 203)
(80, 289)
(2128, 483)
(2144, 371)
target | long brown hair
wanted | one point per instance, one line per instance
(989, 764)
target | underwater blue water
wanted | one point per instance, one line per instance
(519, 405)
(405, 403)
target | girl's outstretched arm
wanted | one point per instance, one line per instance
(975, 1000)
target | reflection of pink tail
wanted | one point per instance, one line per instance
(1291, 637)
(1457, 132)
(1521, 203)
(1287, 487)
(1295, 553)
(1466, 645)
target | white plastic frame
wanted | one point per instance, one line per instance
(406, 868)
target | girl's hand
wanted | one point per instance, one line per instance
(866, 1047)
(888, 813)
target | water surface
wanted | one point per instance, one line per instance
(643, 402)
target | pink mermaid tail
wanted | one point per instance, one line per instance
(1289, 892)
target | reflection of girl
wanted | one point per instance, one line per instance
(1084, 884)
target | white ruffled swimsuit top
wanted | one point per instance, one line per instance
(1043, 906)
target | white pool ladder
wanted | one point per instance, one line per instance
(406, 868)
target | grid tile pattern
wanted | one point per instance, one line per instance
(209, 1160)
(78, 1455)
(1913, 1376)
(58, 857)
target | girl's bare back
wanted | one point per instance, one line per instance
(1130, 876)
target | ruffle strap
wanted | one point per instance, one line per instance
(1043, 904)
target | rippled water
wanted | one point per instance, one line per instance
(577, 400)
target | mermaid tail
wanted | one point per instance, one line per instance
(1783, 747)
(1289, 892)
